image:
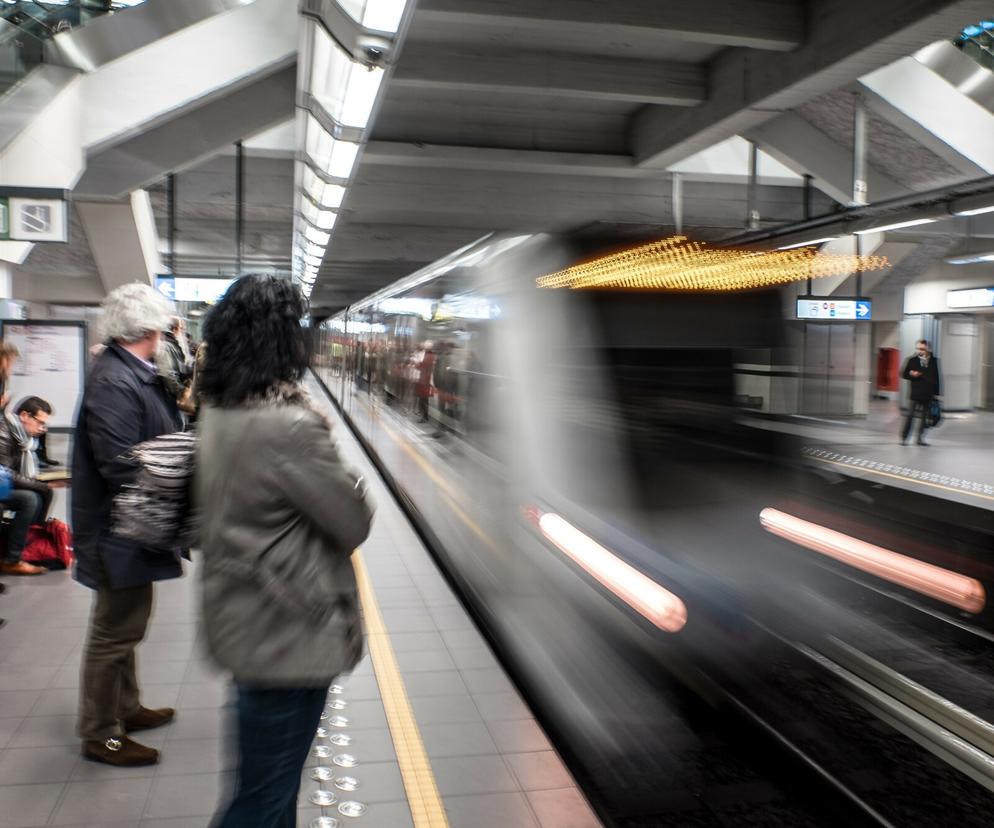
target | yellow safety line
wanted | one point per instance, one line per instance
(904, 478)
(427, 809)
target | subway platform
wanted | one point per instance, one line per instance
(956, 465)
(427, 731)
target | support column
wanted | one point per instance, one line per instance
(752, 220)
(6, 280)
(123, 239)
(859, 188)
(171, 218)
(677, 198)
(239, 206)
(808, 209)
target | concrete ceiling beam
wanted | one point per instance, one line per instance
(754, 24)
(191, 136)
(797, 144)
(576, 76)
(496, 160)
(748, 88)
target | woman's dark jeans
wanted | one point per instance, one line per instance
(275, 732)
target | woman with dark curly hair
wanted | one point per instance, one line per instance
(281, 515)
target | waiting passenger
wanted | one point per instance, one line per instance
(125, 403)
(30, 499)
(424, 368)
(9, 354)
(174, 360)
(922, 370)
(281, 515)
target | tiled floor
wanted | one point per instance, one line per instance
(493, 764)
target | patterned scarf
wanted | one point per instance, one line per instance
(27, 445)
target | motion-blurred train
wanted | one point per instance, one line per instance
(602, 473)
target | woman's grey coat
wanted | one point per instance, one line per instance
(281, 515)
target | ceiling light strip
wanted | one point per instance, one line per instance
(340, 83)
(678, 264)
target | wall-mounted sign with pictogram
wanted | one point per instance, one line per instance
(37, 214)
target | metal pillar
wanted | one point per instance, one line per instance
(677, 182)
(808, 209)
(171, 220)
(752, 218)
(239, 206)
(859, 189)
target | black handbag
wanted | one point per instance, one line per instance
(933, 414)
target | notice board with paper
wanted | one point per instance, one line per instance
(52, 365)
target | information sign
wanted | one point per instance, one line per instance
(38, 214)
(829, 308)
(192, 289)
(972, 298)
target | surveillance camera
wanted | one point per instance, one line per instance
(372, 50)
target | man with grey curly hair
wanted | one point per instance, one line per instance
(124, 403)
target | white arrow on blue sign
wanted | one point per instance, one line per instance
(166, 286)
(863, 310)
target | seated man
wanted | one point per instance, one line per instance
(30, 499)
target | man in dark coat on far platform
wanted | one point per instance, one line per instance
(125, 403)
(922, 370)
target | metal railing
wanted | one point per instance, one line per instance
(26, 24)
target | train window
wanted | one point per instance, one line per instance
(655, 381)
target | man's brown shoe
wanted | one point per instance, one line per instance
(146, 719)
(21, 568)
(121, 752)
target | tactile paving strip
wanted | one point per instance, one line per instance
(939, 481)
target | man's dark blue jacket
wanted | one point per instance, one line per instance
(125, 403)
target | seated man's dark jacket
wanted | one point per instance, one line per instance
(125, 403)
(10, 456)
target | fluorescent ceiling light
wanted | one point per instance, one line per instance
(325, 195)
(897, 225)
(811, 243)
(974, 258)
(312, 249)
(346, 89)
(335, 157)
(360, 94)
(970, 298)
(976, 211)
(325, 219)
(383, 15)
(314, 260)
(322, 219)
(316, 236)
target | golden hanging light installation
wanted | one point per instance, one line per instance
(678, 264)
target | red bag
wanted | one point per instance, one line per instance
(49, 545)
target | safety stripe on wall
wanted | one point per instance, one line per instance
(427, 809)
